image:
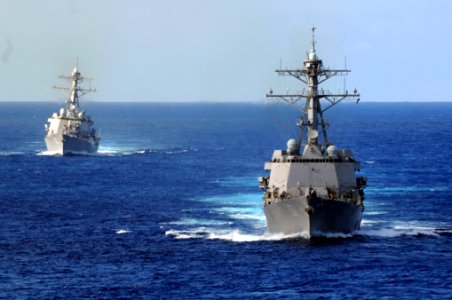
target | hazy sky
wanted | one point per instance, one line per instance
(223, 50)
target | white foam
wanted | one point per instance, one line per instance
(187, 234)
(369, 228)
(248, 209)
(236, 207)
(399, 228)
(418, 226)
(104, 151)
(381, 228)
(54, 153)
(121, 231)
(10, 153)
(121, 152)
(238, 236)
(375, 213)
(244, 207)
(366, 222)
(234, 235)
(176, 151)
(48, 153)
(242, 216)
(179, 151)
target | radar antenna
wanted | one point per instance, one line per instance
(313, 38)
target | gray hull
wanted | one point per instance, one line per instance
(70, 145)
(318, 218)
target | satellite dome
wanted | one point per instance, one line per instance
(330, 150)
(292, 146)
(313, 134)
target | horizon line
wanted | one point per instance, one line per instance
(262, 101)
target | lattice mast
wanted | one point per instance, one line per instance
(74, 92)
(313, 74)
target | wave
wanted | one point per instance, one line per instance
(11, 153)
(236, 235)
(187, 234)
(370, 229)
(110, 152)
(375, 213)
(245, 207)
(402, 228)
(192, 222)
(239, 199)
(126, 151)
(250, 181)
(392, 233)
(177, 151)
(121, 231)
(101, 152)
(399, 189)
(366, 222)
(333, 235)
(107, 151)
(242, 216)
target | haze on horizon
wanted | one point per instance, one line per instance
(225, 50)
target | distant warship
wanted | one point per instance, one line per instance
(70, 130)
(312, 188)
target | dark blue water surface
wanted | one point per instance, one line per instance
(170, 208)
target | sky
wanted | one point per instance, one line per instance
(223, 50)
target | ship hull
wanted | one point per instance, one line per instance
(65, 144)
(319, 217)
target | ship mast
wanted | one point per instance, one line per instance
(74, 91)
(313, 74)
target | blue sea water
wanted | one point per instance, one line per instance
(170, 208)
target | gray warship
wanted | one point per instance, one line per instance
(70, 131)
(313, 189)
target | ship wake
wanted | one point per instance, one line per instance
(394, 229)
(240, 218)
(239, 235)
(113, 152)
(234, 235)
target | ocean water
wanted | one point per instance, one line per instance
(170, 206)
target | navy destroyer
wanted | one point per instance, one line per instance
(70, 131)
(313, 189)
